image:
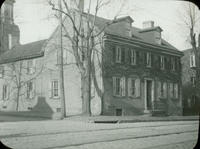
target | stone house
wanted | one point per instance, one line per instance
(191, 95)
(140, 73)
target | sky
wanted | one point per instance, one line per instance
(36, 19)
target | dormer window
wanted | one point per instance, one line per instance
(192, 60)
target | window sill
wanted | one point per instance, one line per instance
(133, 64)
(174, 99)
(118, 96)
(134, 97)
(55, 98)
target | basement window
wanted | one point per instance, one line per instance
(118, 112)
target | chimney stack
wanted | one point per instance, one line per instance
(148, 24)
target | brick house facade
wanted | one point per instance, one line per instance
(142, 78)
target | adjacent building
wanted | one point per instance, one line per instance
(140, 73)
(191, 95)
(9, 31)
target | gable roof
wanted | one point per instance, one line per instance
(119, 29)
(23, 52)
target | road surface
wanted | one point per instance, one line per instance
(79, 135)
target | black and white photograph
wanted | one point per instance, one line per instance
(103, 74)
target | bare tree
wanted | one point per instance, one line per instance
(84, 39)
(17, 77)
(190, 18)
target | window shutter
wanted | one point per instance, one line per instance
(123, 86)
(33, 90)
(26, 66)
(50, 88)
(27, 89)
(129, 86)
(1, 92)
(145, 58)
(114, 53)
(176, 90)
(171, 90)
(137, 87)
(137, 57)
(159, 89)
(166, 63)
(8, 92)
(123, 55)
(34, 65)
(152, 60)
(114, 85)
(165, 89)
(129, 56)
(59, 89)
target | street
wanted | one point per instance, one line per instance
(80, 135)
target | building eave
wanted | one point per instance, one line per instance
(38, 55)
(143, 44)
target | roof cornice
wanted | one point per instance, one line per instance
(142, 44)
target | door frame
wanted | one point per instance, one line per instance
(145, 93)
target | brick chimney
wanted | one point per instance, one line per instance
(148, 24)
(151, 33)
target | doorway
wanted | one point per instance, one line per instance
(149, 94)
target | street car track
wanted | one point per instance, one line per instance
(94, 130)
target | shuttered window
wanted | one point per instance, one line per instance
(173, 90)
(5, 92)
(119, 86)
(55, 89)
(192, 60)
(131, 87)
(162, 89)
(162, 62)
(133, 57)
(30, 89)
(118, 54)
(148, 59)
(31, 66)
(173, 63)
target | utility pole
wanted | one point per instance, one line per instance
(61, 69)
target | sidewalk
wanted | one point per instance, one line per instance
(130, 119)
(32, 116)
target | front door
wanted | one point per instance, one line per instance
(149, 94)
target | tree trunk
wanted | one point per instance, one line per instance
(85, 90)
(61, 70)
(18, 92)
